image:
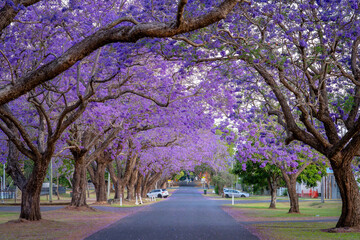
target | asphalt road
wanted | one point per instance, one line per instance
(185, 215)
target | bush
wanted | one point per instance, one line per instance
(285, 193)
(216, 189)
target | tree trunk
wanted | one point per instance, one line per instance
(119, 191)
(101, 186)
(13, 167)
(131, 185)
(130, 193)
(294, 198)
(79, 184)
(30, 199)
(150, 182)
(121, 178)
(273, 189)
(97, 174)
(163, 183)
(139, 184)
(144, 189)
(349, 190)
(116, 188)
(290, 181)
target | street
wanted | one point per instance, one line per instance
(185, 215)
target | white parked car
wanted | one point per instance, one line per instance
(230, 192)
(160, 193)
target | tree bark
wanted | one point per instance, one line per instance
(273, 189)
(101, 189)
(79, 184)
(294, 198)
(13, 167)
(131, 185)
(290, 181)
(97, 175)
(163, 183)
(8, 12)
(349, 190)
(139, 184)
(114, 179)
(144, 186)
(30, 199)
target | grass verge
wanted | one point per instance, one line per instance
(307, 209)
(58, 224)
(300, 231)
(278, 224)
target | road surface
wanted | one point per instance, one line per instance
(185, 215)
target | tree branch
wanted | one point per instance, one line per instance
(8, 12)
(106, 36)
(180, 13)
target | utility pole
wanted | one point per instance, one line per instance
(3, 185)
(50, 182)
(233, 175)
(322, 190)
(108, 187)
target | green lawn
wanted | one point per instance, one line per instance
(307, 209)
(7, 216)
(283, 228)
(301, 231)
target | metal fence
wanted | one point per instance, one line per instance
(7, 194)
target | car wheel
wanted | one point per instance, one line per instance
(165, 196)
(243, 196)
(159, 196)
(227, 196)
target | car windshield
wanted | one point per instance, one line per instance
(164, 189)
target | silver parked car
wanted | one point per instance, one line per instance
(236, 193)
(160, 193)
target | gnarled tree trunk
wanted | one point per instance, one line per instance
(79, 183)
(118, 182)
(30, 188)
(349, 190)
(294, 198)
(30, 199)
(290, 181)
(97, 175)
